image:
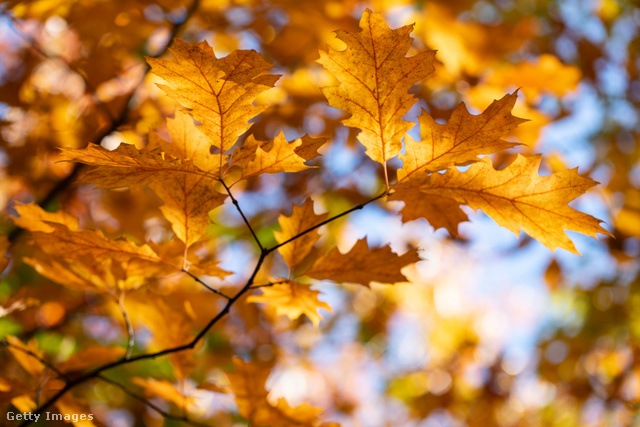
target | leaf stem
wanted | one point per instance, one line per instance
(244, 218)
(214, 290)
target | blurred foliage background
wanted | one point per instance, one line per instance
(492, 331)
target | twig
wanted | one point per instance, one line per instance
(246, 221)
(127, 322)
(267, 285)
(308, 230)
(215, 291)
(191, 344)
(188, 346)
(153, 406)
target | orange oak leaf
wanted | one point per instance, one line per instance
(20, 351)
(375, 77)
(218, 92)
(34, 218)
(258, 157)
(440, 212)
(248, 384)
(302, 218)
(94, 247)
(292, 299)
(517, 198)
(187, 191)
(461, 140)
(362, 265)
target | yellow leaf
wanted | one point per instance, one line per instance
(277, 156)
(187, 191)
(440, 212)
(362, 265)
(89, 357)
(292, 299)
(33, 218)
(461, 140)
(29, 363)
(302, 218)
(218, 92)
(73, 413)
(375, 77)
(544, 75)
(247, 383)
(165, 390)
(518, 198)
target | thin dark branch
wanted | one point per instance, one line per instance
(267, 285)
(127, 322)
(191, 344)
(246, 221)
(308, 230)
(215, 291)
(188, 346)
(151, 405)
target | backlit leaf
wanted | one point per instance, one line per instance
(461, 140)
(218, 92)
(517, 198)
(362, 265)
(375, 76)
(302, 218)
(292, 299)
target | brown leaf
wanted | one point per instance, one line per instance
(362, 265)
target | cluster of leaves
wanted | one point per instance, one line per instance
(206, 165)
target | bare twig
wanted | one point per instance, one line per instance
(151, 405)
(267, 285)
(308, 230)
(246, 221)
(95, 373)
(215, 291)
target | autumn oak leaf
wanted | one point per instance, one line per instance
(460, 140)
(517, 198)
(302, 218)
(375, 76)
(292, 299)
(248, 384)
(188, 192)
(362, 265)
(219, 93)
(258, 157)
